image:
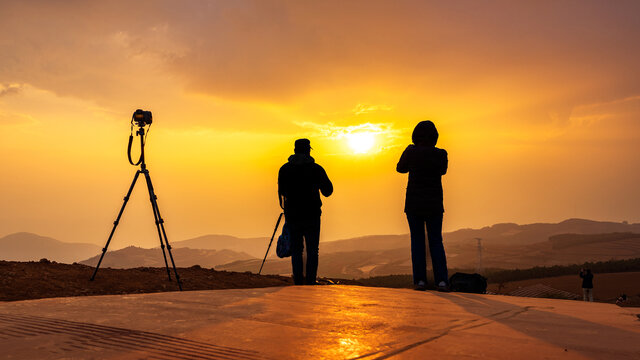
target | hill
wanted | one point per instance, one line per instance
(563, 241)
(509, 234)
(26, 246)
(368, 243)
(504, 246)
(255, 247)
(132, 257)
(559, 250)
(514, 234)
(348, 265)
(498, 234)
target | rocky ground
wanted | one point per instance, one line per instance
(46, 279)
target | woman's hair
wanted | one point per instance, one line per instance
(425, 133)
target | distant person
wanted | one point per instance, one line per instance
(300, 182)
(425, 164)
(621, 300)
(587, 284)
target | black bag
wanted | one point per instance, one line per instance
(469, 283)
(283, 248)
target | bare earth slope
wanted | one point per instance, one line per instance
(607, 287)
(35, 280)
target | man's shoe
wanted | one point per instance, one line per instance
(443, 287)
(420, 286)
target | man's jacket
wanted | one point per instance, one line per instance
(300, 182)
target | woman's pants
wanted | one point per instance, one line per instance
(433, 224)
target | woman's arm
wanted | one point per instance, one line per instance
(403, 163)
(445, 162)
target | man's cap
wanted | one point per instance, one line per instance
(302, 145)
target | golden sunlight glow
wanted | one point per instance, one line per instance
(361, 142)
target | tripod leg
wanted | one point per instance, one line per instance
(271, 241)
(156, 216)
(115, 223)
(160, 221)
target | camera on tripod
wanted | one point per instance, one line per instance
(142, 118)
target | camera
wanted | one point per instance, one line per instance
(142, 118)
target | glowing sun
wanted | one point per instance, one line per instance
(361, 142)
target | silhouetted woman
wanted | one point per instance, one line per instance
(425, 164)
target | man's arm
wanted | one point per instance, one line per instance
(326, 187)
(281, 186)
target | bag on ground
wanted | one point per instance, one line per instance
(469, 283)
(283, 248)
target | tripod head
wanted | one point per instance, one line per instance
(140, 118)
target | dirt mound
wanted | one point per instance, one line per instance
(45, 279)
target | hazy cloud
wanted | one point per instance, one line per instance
(275, 51)
(12, 119)
(330, 130)
(10, 89)
(365, 108)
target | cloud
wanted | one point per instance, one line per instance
(10, 89)
(16, 119)
(364, 108)
(280, 51)
(330, 130)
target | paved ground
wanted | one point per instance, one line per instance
(316, 322)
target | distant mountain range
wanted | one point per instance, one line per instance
(563, 250)
(25, 246)
(504, 245)
(255, 247)
(514, 234)
(132, 257)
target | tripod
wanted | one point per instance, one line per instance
(162, 235)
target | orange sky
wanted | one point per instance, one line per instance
(537, 103)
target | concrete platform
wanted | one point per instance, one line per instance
(341, 322)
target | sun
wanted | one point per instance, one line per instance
(361, 142)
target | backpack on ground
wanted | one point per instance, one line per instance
(469, 283)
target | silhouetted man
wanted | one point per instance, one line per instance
(300, 182)
(425, 164)
(587, 284)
